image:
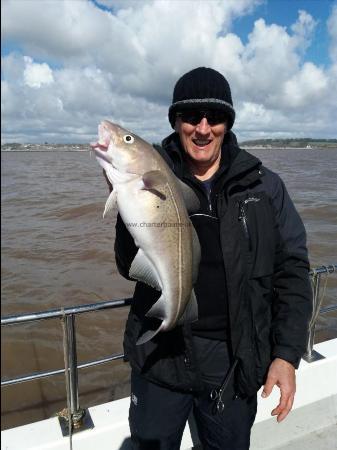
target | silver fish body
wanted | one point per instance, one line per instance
(153, 204)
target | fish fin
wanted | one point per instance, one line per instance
(152, 317)
(196, 253)
(107, 167)
(191, 311)
(154, 178)
(158, 309)
(103, 163)
(143, 270)
(191, 200)
(153, 181)
(110, 203)
(147, 336)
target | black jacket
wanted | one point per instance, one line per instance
(263, 244)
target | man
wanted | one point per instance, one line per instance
(253, 290)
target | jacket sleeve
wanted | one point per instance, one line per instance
(292, 303)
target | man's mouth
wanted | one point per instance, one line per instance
(201, 142)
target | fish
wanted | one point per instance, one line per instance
(154, 205)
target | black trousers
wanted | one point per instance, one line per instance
(158, 415)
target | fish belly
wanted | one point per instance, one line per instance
(162, 229)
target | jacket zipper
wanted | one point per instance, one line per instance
(210, 201)
(243, 218)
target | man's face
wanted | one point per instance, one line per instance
(201, 141)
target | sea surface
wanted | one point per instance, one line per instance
(57, 251)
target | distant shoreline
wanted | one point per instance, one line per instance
(305, 143)
(260, 147)
(44, 151)
(246, 147)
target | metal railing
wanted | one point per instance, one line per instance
(63, 313)
(79, 418)
(67, 315)
(316, 277)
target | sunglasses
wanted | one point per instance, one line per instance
(195, 117)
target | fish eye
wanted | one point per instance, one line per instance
(128, 139)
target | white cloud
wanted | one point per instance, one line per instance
(306, 87)
(36, 75)
(303, 29)
(268, 60)
(85, 64)
(59, 29)
(120, 4)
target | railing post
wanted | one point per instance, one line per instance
(76, 413)
(72, 364)
(311, 355)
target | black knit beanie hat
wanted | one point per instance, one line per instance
(202, 88)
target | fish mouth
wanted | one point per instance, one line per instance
(101, 152)
(105, 139)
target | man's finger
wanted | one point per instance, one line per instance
(283, 403)
(291, 401)
(286, 410)
(283, 415)
(268, 387)
(283, 408)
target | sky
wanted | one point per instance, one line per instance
(68, 64)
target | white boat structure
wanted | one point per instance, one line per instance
(312, 424)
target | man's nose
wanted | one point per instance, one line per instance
(203, 126)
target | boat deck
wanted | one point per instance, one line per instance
(311, 424)
(324, 439)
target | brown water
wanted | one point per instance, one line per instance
(57, 251)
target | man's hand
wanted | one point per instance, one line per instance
(281, 373)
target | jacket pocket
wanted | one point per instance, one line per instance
(261, 309)
(256, 222)
(263, 353)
